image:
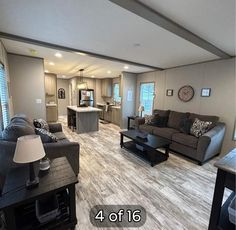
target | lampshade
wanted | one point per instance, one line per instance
(28, 149)
(141, 108)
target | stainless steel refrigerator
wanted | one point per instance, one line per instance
(86, 97)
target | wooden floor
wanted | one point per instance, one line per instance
(176, 194)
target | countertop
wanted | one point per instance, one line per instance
(111, 105)
(228, 162)
(84, 109)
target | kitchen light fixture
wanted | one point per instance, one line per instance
(57, 54)
(81, 83)
(126, 67)
(92, 76)
(51, 63)
(46, 71)
(80, 53)
(109, 71)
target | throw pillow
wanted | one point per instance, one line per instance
(199, 127)
(45, 135)
(41, 124)
(148, 119)
(185, 125)
(159, 121)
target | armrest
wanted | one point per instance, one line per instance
(68, 149)
(210, 143)
(139, 121)
(55, 127)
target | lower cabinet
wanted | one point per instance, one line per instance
(51, 113)
(108, 115)
(115, 116)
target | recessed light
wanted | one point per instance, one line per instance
(51, 63)
(63, 76)
(126, 67)
(46, 71)
(32, 51)
(80, 53)
(57, 54)
(109, 71)
(92, 76)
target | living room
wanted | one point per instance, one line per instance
(126, 102)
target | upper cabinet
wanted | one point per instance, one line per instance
(107, 87)
(50, 85)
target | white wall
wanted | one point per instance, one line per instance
(63, 103)
(217, 75)
(27, 85)
(128, 84)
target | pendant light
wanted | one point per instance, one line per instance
(81, 83)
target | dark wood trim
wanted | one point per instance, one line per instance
(70, 49)
(157, 18)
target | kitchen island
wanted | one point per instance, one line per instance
(83, 119)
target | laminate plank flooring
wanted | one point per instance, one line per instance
(177, 194)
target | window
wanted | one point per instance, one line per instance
(147, 93)
(116, 92)
(4, 110)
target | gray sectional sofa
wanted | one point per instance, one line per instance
(20, 125)
(200, 149)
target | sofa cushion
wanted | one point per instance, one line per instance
(147, 128)
(213, 119)
(185, 139)
(185, 125)
(175, 119)
(164, 132)
(162, 113)
(41, 124)
(21, 116)
(159, 121)
(200, 127)
(60, 135)
(16, 128)
(148, 119)
(45, 135)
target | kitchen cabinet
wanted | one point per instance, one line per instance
(108, 115)
(107, 87)
(115, 116)
(51, 113)
(50, 85)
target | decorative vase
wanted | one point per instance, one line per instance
(44, 164)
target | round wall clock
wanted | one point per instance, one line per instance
(186, 93)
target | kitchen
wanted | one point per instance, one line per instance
(83, 91)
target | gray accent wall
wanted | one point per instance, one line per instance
(128, 86)
(27, 85)
(217, 75)
(63, 103)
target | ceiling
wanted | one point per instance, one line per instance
(105, 28)
(69, 64)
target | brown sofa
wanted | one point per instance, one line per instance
(200, 149)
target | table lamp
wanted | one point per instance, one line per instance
(141, 109)
(29, 149)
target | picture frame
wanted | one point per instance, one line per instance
(206, 92)
(169, 92)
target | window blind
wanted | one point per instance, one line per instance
(5, 117)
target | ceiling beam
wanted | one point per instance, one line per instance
(70, 49)
(155, 17)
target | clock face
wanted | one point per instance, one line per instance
(186, 93)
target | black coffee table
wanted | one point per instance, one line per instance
(146, 149)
